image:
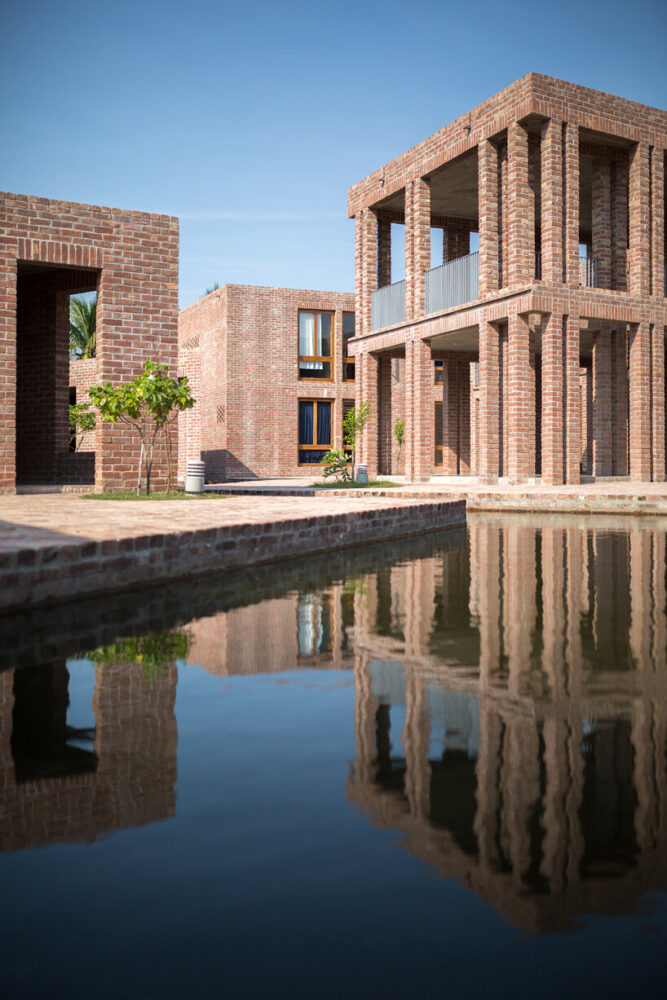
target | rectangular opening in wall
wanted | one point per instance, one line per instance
(348, 404)
(314, 430)
(43, 351)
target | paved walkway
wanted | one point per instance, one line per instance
(53, 547)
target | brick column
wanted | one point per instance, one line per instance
(385, 417)
(521, 400)
(552, 202)
(640, 402)
(571, 169)
(366, 391)
(419, 426)
(519, 248)
(602, 411)
(417, 244)
(658, 222)
(658, 403)
(639, 221)
(619, 225)
(465, 457)
(619, 370)
(489, 437)
(384, 252)
(553, 411)
(487, 180)
(601, 221)
(366, 261)
(450, 418)
(572, 402)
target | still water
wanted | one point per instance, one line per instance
(436, 768)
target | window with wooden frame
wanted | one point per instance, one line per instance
(438, 433)
(314, 430)
(348, 404)
(439, 376)
(348, 360)
(316, 335)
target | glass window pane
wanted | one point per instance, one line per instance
(438, 425)
(348, 324)
(315, 369)
(312, 456)
(324, 423)
(324, 334)
(306, 334)
(305, 422)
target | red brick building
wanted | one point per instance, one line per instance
(552, 335)
(271, 375)
(50, 250)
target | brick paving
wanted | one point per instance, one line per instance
(53, 547)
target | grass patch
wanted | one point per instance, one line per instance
(131, 495)
(374, 484)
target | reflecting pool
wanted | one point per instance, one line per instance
(431, 768)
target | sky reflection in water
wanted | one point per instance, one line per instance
(434, 767)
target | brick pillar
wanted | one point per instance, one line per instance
(455, 240)
(386, 417)
(640, 402)
(489, 436)
(553, 411)
(520, 243)
(465, 458)
(384, 252)
(419, 427)
(619, 369)
(639, 221)
(521, 400)
(571, 170)
(487, 169)
(450, 418)
(366, 391)
(619, 225)
(601, 221)
(658, 222)
(658, 403)
(366, 260)
(417, 244)
(602, 411)
(572, 402)
(552, 202)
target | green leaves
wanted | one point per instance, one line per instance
(82, 328)
(337, 463)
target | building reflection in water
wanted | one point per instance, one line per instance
(60, 781)
(511, 716)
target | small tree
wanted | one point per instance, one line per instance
(337, 463)
(148, 404)
(81, 420)
(399, 434)
(353, 427)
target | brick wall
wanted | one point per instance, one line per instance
(132, 259)
(239, 345)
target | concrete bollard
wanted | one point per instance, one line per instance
(362, 474)
(194, 481)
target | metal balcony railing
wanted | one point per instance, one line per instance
(588, 272)
(452, 284)
(388, 305)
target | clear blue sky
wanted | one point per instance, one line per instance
(251, 121)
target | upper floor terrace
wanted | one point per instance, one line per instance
(547, 183)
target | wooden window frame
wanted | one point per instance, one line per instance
(324, 358)
(347, 360)
(438, 366)
(313, 447)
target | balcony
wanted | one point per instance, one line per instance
(452, 284)
(588, 272)
(388, 305)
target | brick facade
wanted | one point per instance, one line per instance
(239, 346)
(538, 171)
(50, 250)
